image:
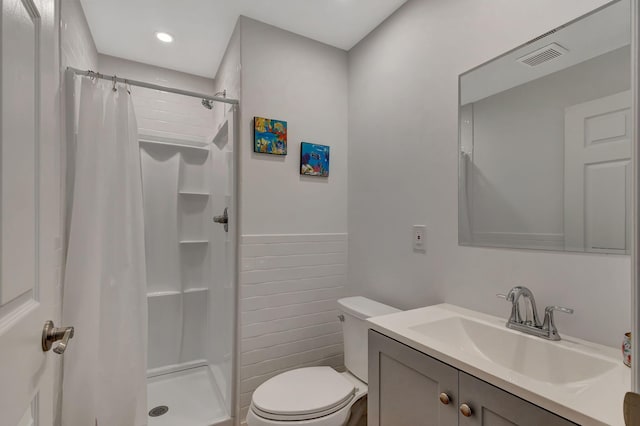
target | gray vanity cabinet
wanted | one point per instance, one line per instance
(409, 388)
(405, 386)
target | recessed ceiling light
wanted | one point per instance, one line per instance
(164, 37)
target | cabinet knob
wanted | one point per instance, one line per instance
(444, 398)
(466, 410)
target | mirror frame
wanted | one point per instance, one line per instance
(635, 192)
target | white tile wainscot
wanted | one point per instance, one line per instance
(289, 287)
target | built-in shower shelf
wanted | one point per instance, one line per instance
(174, 145)
(196, 290)
(163, 293)
(194, 194)
(194, 242)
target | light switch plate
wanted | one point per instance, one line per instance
(419, 238)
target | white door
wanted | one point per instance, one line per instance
(598, 175)
(29, 209)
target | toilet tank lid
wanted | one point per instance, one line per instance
(363, 308)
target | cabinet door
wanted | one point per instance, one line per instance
(491, 406)
(405, 386)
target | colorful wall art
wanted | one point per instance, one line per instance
(314, 159)
(270, 136)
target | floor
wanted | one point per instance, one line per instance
(191, 395)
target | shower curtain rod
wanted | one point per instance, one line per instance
(94, 74)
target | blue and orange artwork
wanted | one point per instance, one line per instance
(314, 159)
(270, 136)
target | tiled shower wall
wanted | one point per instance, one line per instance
(161, 114)
(288, 305)
(76, 44)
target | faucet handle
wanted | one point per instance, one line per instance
(549, 325)
(501, 296)
(550, 309)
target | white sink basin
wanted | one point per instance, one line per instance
(579, 380)
(531, 356)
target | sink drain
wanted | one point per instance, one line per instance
(158, 411)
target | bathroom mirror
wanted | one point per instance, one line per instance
(545, 140)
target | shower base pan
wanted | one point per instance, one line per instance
(191, 396)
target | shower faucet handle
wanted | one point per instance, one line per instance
(223, 219)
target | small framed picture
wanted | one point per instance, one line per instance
(269, 136)
(314, 159)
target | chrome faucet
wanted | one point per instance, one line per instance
(531, 323)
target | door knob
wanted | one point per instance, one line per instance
(223, 219)
(444, 398)
(52, 334)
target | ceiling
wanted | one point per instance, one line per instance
(202, 28)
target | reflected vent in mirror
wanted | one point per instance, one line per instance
(542, 55)
(540, 37)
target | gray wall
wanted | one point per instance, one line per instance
(304, 82)
(403, 81)
(293, 228)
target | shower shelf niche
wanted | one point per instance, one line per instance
(175, 145)
(193, 194)
(163, 293)
(194, 173)
(193, 217)
(196, 290)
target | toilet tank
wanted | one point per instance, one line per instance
(355, 311)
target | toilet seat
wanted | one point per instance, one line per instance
(302, 394)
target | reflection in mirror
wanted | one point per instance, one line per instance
(545, 141)
(29, 419)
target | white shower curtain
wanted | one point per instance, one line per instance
(105, 299)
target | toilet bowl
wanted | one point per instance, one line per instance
(322, 396)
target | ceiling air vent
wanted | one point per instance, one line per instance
(542, 55)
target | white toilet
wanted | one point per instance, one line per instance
(320, 396)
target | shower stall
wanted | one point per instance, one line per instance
(189, 208)
(190, 282)
(190, 264)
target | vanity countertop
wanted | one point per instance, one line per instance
(581, 381)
